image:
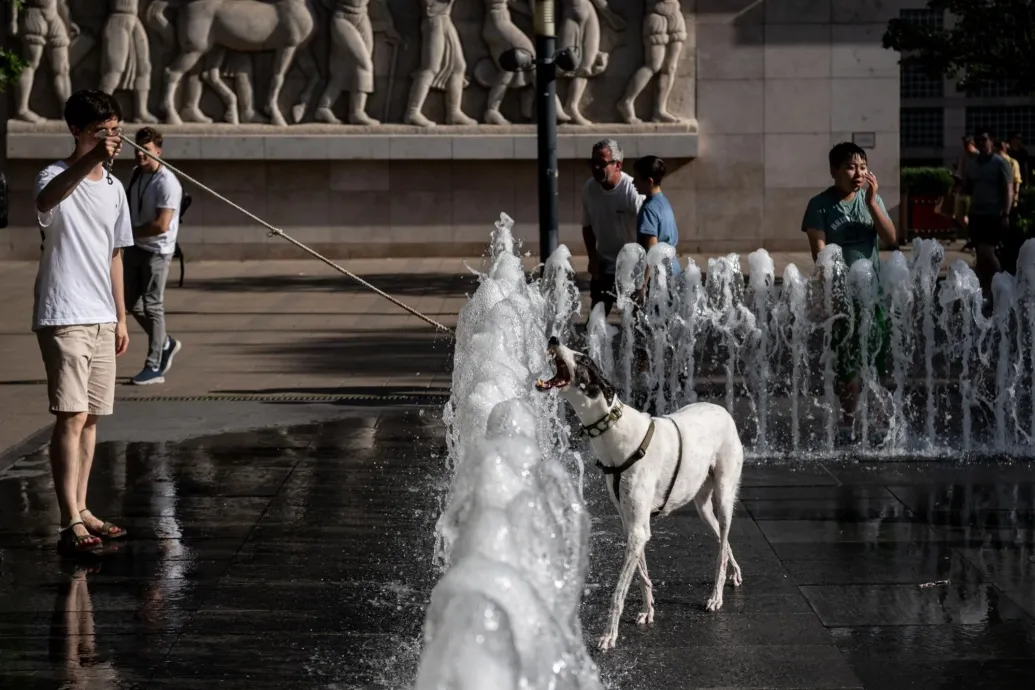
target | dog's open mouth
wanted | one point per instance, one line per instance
(561, 379)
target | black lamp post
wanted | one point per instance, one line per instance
(545, 62)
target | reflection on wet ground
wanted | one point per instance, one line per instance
(300, 557)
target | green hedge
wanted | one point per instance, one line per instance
(933, 181)
(1026, 211)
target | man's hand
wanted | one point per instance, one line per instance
(871, 188)
(594, 266)
(121, 338)
(108, 147)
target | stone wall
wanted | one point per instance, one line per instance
(762, 89)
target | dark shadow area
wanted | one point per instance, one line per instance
(399, 353)
(413, 284)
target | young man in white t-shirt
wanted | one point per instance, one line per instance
(78, 313)
(154, 205)
(610, 204)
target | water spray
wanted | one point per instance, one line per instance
(273, 232)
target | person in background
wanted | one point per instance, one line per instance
(988, 179)
(1020, 154)
(1003, 149)
(961, 202)
(610, 205)
(79, 312)
(655, 221)
(852, 215)
(1010, 245)
(154, 195)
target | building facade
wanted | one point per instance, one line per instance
(392, 131)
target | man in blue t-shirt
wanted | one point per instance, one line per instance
(655, 222)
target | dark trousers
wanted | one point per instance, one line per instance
(144, 275)
(602, 289)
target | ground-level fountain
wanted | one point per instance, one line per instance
(941, 374)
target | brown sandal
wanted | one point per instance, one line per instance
(72, 544)
(107, 530)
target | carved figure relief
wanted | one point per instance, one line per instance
(580, 28)
(216, 26)
(664, 32)
(126, 56)
(239, 68)
(44, 26)
(442, 66)
(501, 34)
(352, 57)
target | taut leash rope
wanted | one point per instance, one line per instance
(280, 233)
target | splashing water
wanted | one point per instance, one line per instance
(513, 536)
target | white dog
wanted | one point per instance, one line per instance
(655, 466)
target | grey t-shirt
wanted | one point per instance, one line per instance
(987, 179)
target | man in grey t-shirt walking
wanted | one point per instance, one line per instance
(988, 179)
(154, 203)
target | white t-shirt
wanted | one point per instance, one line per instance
(149, 193)
(612, 215)
(73, 283)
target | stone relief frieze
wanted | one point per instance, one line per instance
(335, 61)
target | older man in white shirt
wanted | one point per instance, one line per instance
(610, 204)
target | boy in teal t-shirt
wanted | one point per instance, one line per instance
(851, 214)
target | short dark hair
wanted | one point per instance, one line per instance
(844, 152)
(87, 106)
(650, 168)
(967, 140)
(1000, 145)
(149, 135)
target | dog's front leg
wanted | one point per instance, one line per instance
(646, 616)
(637, 536)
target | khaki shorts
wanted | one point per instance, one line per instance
(80, 363)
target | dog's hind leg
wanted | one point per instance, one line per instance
(646, 616)
(703, 501)
(723, 499)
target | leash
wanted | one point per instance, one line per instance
(276, 232)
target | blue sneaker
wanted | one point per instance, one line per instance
(147, 377)
(172, 346)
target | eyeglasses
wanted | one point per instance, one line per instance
(600, 164)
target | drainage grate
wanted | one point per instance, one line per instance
(346, 399)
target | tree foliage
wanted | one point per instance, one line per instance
(11, 63)
(988, 41)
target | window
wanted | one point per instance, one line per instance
(923, 17)
(922, 128)
(1002, 121)
(916, 84)
(994, 89)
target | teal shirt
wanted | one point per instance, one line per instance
(848, 224)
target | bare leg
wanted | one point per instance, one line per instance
(987, 266)
(62, 79)
(308, 65)
(65, 443)
(87, 443)
(493, 116)
(229, 98)
(173, 74)
(454, 101)
(576, 89)
(418, 93)
(192, 100)
(23, 89)
(358, 109)
(666, 79)
(655, 56)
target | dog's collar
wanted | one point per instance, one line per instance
(599, 427)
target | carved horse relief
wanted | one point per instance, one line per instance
(247, 26)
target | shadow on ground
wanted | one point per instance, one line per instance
(412, 284)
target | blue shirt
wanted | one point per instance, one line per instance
(656, 219)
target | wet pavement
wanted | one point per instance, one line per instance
(299, 556)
